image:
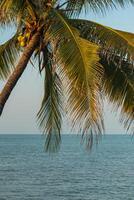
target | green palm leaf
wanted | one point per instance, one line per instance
(79, 62)
(113, 42)
(76, 7)
(12, 11)
(117, 58)
(9, 53)
(50, 114)
(119, 88)
(9, 10)
(13, 5)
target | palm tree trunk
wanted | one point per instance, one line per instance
(4, 95)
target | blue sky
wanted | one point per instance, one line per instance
(19, 115)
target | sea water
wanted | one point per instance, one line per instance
(28, 173)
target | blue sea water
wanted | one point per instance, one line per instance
(28, 173)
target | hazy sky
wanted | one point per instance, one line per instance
(19, 115)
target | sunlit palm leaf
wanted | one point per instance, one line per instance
(10, 6)
(50, 114)
(7, 5)
(79, 60)
(9, 52)
(119, 87)
(117, 55)
(5, 18)
(75, 7)
(14, 10)
(113, 42)
(127, 36)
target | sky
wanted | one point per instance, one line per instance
(19, 115)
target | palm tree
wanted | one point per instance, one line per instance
(82, 62)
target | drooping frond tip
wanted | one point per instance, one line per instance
(9, 52)
(50, 114)
(79, 63)
(118, 86)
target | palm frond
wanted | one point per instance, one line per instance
(118, 86)
(9, 18)
(8, 6)
(127, 36)
(5, 18)
(9, 52)
(76, 7)
(117, 58)
(13, 11)
(79, 59)
(50, 114)
(113, 42)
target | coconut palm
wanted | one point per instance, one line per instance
(82, 62)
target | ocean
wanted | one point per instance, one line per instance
(28, 173)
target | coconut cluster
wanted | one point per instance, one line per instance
(26, 34)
